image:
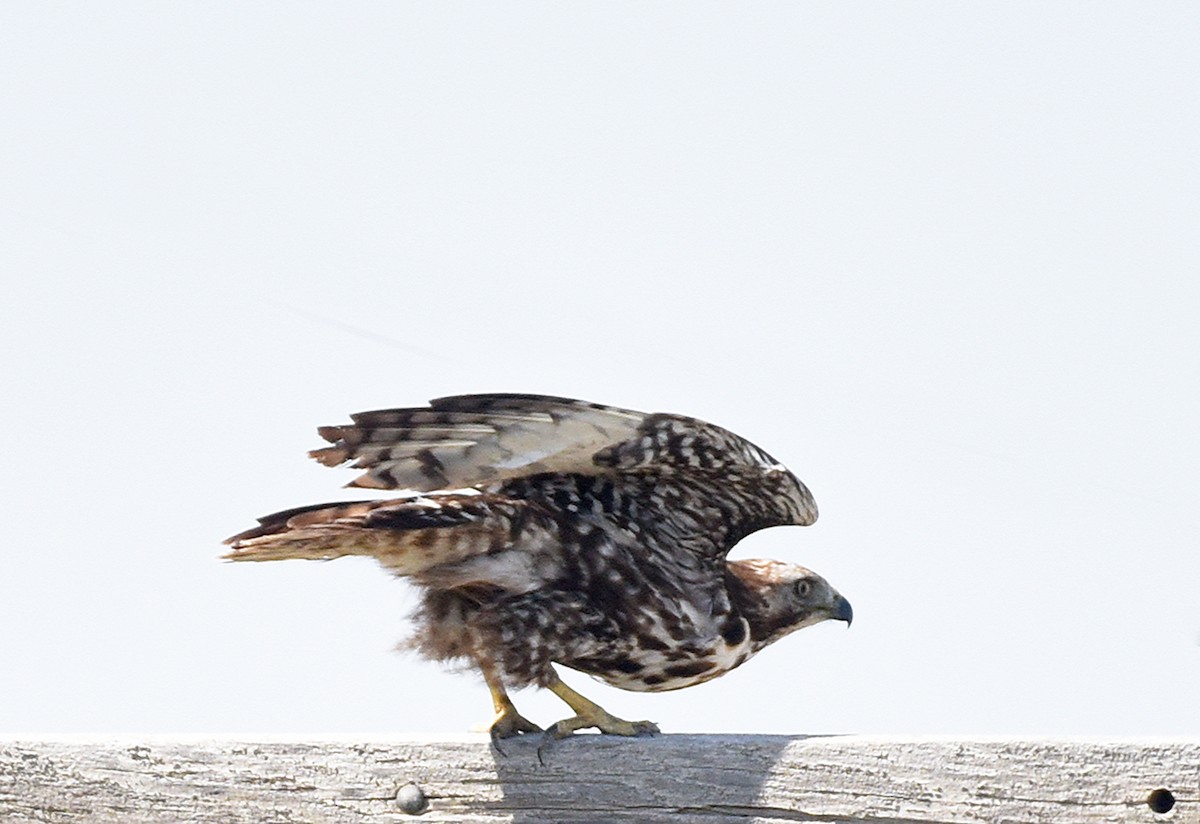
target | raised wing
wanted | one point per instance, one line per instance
(466, 440)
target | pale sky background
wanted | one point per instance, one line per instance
(939, 258)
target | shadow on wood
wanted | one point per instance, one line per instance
(591, 778)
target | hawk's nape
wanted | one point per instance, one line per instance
(545, 530)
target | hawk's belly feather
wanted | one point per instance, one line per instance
(647, 667)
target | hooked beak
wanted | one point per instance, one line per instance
(842, 611)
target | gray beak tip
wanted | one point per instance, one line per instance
(843, 611)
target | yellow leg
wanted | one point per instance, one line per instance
(508, 721)
(590, 714)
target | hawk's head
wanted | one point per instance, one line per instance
(778, 598)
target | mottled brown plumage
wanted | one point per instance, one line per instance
(547, 530)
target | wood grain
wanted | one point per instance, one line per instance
(704, 778)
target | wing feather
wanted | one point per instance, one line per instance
(464, 440)
(468, 440)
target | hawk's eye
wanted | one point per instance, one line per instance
(803, 588)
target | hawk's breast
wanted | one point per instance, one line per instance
(655, 661)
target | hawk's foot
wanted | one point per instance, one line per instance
(600, 719)
(605, 722)
(590, 714)
(509, 722)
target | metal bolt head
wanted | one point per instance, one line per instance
(411, 799)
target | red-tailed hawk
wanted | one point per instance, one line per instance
(548, 531)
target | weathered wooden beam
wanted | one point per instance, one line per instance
(709, 778)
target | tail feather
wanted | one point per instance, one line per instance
(407, 535)
(278, 522)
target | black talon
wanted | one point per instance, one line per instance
(495, 736)
(552, 734)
